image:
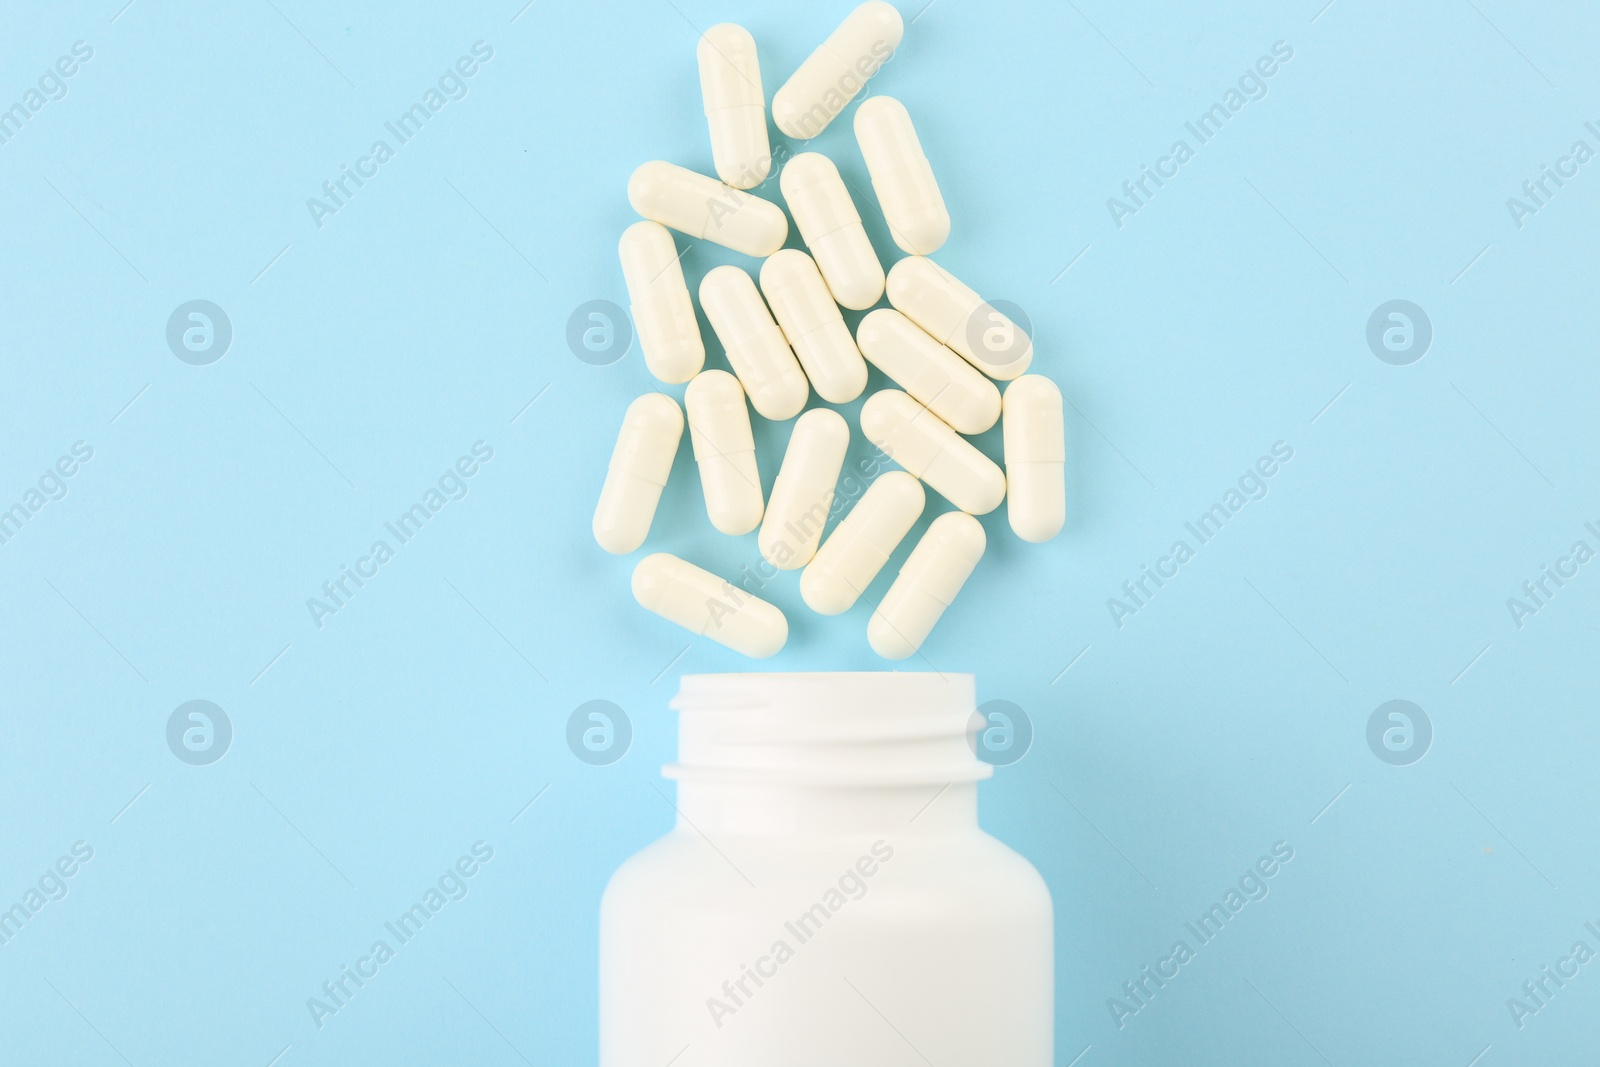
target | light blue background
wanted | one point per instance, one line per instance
(1228, 714)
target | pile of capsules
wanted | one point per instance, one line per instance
(938, 341)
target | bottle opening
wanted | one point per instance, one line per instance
(867, 728)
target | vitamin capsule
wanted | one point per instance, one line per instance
(811, 321)
(1036, 458)
(923, 444)
(756, 348)
(797, 510)
(831, 227)
(932, 298)
(859, 546)
(725, 451)
(736, 109)
(901, 176)
(939, 379)
(703, 207)
(709, 606)
(832, 75)
(932, 576)
(658, 296)
(640, 463)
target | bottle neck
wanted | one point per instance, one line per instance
(883, 753)
(721, 810)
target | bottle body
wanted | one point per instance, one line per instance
(839, 909)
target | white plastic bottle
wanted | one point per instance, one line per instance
(826, 896)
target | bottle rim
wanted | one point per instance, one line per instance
(828, 728)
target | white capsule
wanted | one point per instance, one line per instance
(939, 379)
(811, 321)
(1036, 458)
(901, 176)
(658, 296)
(709, 606)
(932, 576)
(923, 444)
(736, 108)
(832, 75)
(797, 508)
(859, 546)
(703, 207)
(756, 348)
(640, 463)
(725, 451)
(831, 227)
(934, 299)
